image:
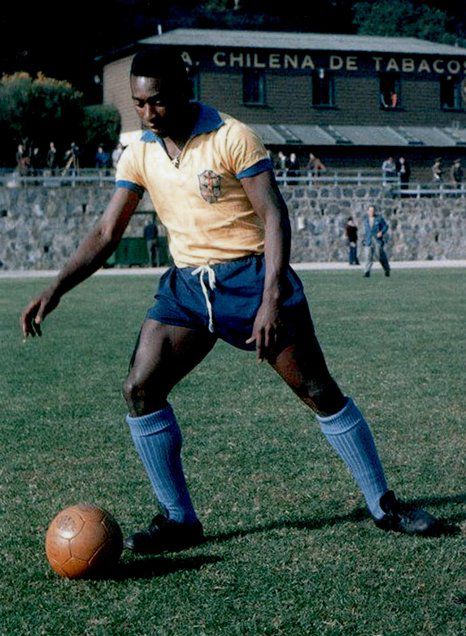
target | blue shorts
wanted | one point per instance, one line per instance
(234, 294)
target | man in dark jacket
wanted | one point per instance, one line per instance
(351, 231)
(375, 229)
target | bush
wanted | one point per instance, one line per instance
(35, 111)
(102, 125)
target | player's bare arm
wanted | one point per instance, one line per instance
(265, 197)
(91, 254)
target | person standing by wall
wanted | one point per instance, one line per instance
(375, 229)
(151, 237)
(351, 231)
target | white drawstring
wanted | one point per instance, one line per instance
(206, 269)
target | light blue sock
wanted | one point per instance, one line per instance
(157, 438)
(349, 434)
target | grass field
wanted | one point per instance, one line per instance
(290, 549)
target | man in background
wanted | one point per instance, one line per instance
(375, 230)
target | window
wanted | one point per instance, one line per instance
(195, 78)
(450, 93)
(390, 91)
(253, 87)
(323, 91)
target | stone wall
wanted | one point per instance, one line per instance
(420, 229)
(41, 227)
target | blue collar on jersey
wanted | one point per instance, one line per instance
(208, 120)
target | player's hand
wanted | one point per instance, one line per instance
(379, 234)
(266, 329)
(34, 314)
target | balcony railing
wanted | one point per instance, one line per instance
(439, 190)
(91, 176)
(57, 178)
(334, 177)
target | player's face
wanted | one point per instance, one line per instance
(158, 104)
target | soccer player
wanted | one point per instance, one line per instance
(211, 181)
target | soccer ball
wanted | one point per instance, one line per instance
(83, 540)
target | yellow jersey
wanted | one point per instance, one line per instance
(199, 197)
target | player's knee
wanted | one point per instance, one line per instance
(143, 395)
(136, 392)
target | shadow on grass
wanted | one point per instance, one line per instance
(156, 567)
(355, 517)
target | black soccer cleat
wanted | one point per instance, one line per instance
(165, 535)
(402, 518)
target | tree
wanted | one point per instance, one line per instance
(102, 125)
(402, 18)
(35, 111)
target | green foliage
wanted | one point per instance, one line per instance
(402, 18)
(35, 111)
(216, 5)
(102, 125)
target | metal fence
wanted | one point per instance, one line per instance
(57, 178)
(91, 176)
(438, 190)
(334, 177)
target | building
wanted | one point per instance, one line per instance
(352, 100)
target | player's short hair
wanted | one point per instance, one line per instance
(156, 61)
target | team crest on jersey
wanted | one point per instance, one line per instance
(209, 185)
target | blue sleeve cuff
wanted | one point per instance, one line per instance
(261, 166)
(130, 185)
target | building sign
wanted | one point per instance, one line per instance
(305, 61)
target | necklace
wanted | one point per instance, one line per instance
(176, 160)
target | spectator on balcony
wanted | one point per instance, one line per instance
(52, 161)
(404, 172)
(36, 163)
(293, 167)
(314, 166)
(71, 160)
(437, 170)
(281, 163)
(22, 160)
(456, 173)
(102, 161)
(388, 170)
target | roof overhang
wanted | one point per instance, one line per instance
(376, 136)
